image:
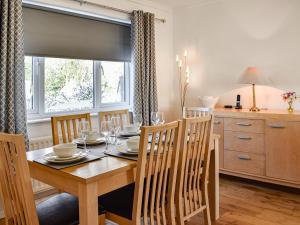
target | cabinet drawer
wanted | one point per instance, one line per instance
(244, 162)
(244, 142)
(244, 125)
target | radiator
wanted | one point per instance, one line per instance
(34, 144)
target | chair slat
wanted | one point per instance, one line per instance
(15, 183)
(191, 193)
(68, 126)
(123, 114)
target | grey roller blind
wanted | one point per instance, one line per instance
(54, 34)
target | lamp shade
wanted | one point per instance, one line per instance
(253, 76)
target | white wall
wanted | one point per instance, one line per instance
(224, 37)
(164, 51)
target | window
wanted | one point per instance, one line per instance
(57, 85)
(29, 83)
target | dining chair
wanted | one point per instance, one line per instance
(17, 194)
(123, 114)
(196, 111)
(67, 125)
(150, 200)
(192, 180)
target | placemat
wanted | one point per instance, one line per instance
(89, 158)
(115, 153)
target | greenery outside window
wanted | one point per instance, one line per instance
(58, 86)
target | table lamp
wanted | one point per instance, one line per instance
(253, 76)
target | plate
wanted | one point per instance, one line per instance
(51, 157)
(90, 142)
(127, 151)
(129, 134)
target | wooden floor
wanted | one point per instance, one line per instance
(244, 203)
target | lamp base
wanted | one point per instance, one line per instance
(254, 109)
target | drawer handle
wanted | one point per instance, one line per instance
(244, 138)
(276, 126)
(244, 157)
(217, 122)
(244, 124)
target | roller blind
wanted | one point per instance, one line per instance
(54, 34)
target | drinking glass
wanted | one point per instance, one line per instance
(137, 120)
(157, 118)
(83, 129)
(106, 130)
(116, 128)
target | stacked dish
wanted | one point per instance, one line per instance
(65, 153)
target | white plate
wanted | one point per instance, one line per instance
(99, 140)
(51, 157)
(127, 151)
(129, 134)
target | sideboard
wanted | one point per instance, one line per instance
(263, 146)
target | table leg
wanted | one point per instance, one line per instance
(213, 185)
(88, 204)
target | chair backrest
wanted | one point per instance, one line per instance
(156, 175)
(123, 114)
(67, 127)
(194, 165)
(189, 112)
(15, 182)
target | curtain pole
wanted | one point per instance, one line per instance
(83, 2)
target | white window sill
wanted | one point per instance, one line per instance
(35, 119)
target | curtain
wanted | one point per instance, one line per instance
(12, 78)
(144, 68)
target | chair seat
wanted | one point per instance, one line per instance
(119, 202)
(61, 209)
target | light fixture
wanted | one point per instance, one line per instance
(253, 76)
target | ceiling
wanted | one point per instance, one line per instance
(177, 3)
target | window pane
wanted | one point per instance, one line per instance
(29, 82)
(112, 82)
(68, 84)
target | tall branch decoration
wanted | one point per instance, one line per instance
(184, 77)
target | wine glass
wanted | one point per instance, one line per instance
(157, 118)
(83, 130)
(106, 130)
(137, 120)
(116, 128)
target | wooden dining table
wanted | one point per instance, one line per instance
(89, 180)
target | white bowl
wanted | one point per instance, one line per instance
(133, 143)
(131, 129)
(92, 136)
(65, 150)
(209, 101)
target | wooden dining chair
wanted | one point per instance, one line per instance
(192, 182)
(151, 197)
(67, 127)
(123, 114)
(17, 194)
(196, 112)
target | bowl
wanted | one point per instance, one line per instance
(92, 136)
(133, 143)
(209, 101)
(65, 150)
(131, 129)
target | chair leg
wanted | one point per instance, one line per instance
(206, 211)
(101, 219)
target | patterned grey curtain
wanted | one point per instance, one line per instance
(12, 79)
(144, 68)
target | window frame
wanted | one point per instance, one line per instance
(38, 74)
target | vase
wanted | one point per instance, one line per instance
(290, 108)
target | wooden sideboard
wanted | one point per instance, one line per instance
(263, 145)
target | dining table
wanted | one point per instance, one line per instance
(89, 180)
